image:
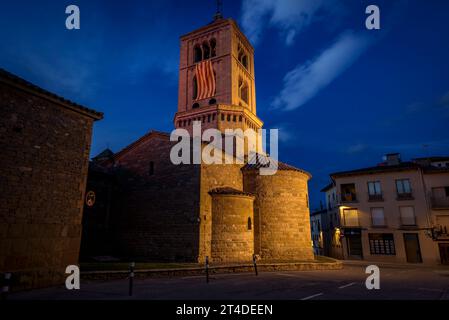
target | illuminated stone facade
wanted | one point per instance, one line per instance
(226, 212)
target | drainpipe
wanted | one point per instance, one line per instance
(428, 214)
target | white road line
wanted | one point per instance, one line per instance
(313, 296)
(288, 275)
(431, 289)
(347, 285)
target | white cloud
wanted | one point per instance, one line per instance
(356, 148)
(303, 82)
(290, 16)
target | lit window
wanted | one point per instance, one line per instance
(351, 217)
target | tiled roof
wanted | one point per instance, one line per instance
(263, 161)
(329, 186)
(151, 133)
(16, 81)
(229, 190)
(434, 158)
(403, 166)
(432, 169)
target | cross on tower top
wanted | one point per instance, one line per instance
(218, 14)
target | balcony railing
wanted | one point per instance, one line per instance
(375, 197)
(405, 196)
(348, 197)
(439, 202)
(408, 222)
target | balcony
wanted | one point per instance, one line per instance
(375, 197)
(405, 196)
(439, 203)
(348, 197)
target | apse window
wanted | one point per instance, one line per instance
(250, 224)
(151, 168)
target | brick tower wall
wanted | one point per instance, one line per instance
(281, 219)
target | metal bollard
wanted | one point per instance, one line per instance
(255, 264)
(131, 277)
(6, 285)
(207, 269)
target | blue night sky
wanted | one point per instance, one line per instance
(341, 95)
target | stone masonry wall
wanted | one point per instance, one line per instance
(232, 240)
(281, 218)
(43, 164)
(157, 218)
(213, 176)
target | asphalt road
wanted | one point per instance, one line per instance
(397, 282)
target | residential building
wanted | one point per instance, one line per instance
(393, 212)
(317, 222)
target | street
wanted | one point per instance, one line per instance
(396, 282)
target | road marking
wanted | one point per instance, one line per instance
(430, 289)
(347, 285)
(288, 275)
(313, 296)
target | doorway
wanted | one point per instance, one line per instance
(444, 252)
(412, 248)
(355, 247)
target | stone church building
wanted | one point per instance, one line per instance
(143, 205)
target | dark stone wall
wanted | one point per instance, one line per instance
(156, 216)
(97, 235)
(43, 169)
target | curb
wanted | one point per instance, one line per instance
(364, 263)
(239, 268)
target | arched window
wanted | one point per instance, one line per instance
(206, 51)
(213, 48)
(242, 57)
(195, 106)
(243, 90)
(245, 62)
(197, 54)
(250, 224)
(195, 88)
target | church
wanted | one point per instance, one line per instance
(139, 204)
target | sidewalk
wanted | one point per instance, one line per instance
(329, 264)
(395, 265)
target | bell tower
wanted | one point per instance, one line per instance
(216, 78)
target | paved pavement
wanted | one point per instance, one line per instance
(396, 282)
